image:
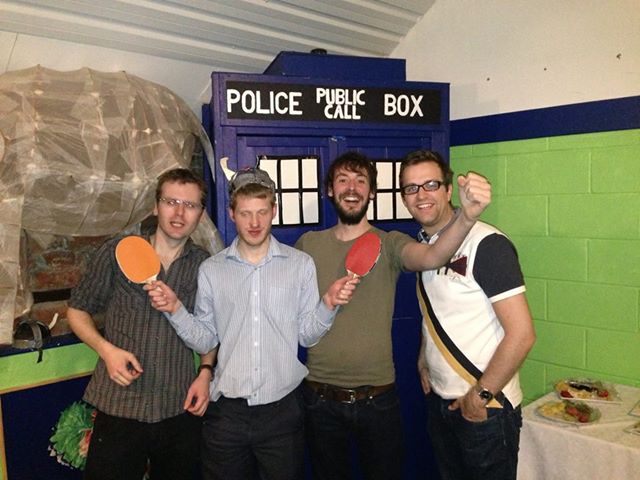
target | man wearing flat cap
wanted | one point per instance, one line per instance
(257, 300)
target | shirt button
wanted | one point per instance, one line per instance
(255, 344)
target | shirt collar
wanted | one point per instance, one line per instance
(423, 237)
(275, 250)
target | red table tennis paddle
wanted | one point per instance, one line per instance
(363, 255)
(137, 259)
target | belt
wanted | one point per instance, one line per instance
(348, 395)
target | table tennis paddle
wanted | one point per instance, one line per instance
(363, 255)
(137, 259)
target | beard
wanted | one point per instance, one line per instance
(350, 218)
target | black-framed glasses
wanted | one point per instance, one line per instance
(174, 202)
(428, 186)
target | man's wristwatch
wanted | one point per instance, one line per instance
(483, 393)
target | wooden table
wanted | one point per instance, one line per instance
(603, 450)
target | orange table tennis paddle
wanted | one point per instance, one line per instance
(363, 255)
(137, 259)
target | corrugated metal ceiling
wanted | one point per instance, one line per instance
(229, 35)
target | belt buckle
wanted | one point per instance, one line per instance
(352, 396)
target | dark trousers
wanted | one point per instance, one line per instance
(120, 448)
(240, 441)
(467, 450)
(375, 425)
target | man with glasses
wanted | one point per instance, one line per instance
(145, 388)
(350, 390)
(477, 331)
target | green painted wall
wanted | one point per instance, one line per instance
(19, 371)
(571, 205)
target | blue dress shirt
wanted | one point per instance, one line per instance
(257, 314)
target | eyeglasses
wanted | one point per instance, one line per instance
(428, 186)
(174, 202)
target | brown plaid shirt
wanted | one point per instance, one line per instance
(132, 324)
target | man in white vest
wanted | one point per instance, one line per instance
(477, 331)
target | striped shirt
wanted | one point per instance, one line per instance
(131, 323)
(258, 313)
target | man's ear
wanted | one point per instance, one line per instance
(231, 215)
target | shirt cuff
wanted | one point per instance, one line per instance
(325, 315)
(180, 319)
(183, 323)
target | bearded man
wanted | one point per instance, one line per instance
(350, 391)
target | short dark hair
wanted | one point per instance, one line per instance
(252, 190)
(353, 162)
(182, 176)
(423, 156)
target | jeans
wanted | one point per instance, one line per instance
(240, 442)
(121, 447)
(374, 424)
(486, 450)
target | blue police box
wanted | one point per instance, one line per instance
(304, 111)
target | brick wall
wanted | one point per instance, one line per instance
(571, 204)
(54, 266)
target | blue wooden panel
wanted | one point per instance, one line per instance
(28, 417)
(340, 67)
(588, 117)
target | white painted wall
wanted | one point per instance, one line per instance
(190, 81)
(498, 55)
(510, 55)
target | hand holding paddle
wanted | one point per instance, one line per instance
(340, 291)
(162, 297)
(137, 259)
(363, 255)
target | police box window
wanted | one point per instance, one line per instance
(388, 202)
(297, 188)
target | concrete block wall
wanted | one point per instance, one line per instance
(571, 205)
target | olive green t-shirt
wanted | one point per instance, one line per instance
(357, 350)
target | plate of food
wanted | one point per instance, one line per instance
(587, 390)
(570, 412)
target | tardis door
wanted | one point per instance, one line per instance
(386, 212)
(291, 125)
(299, 165)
